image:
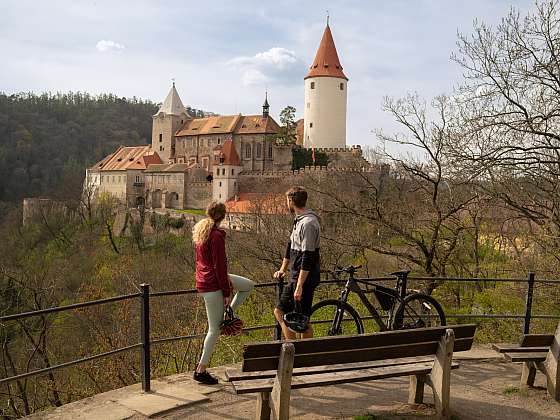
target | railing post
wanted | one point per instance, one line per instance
(529, 302)
(145, 336)
(277, 328)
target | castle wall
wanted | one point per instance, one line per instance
(201, 149)
(199, 195)
(36, 209)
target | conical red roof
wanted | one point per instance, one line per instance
(230, 154)
(326, 61)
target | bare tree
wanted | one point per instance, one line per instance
(410, 209)
(509, 106)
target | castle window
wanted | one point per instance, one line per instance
(310, 125)
(218, 171)
(160, 137)
(270, 151)
(232, 171)
(342, 86)
(113, 180)
(308, 105)
(219, 141)
(101, 178)
(220, 183)
(258, 152)
(160, 148)
(223, 171)
(312, 85)
(247, 151)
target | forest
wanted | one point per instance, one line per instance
(47, 140)
(479, 199)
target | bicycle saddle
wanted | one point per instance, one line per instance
(400, 273)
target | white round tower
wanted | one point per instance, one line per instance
(325, 98)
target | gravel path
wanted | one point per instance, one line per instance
(478, 392)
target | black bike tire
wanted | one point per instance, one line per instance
(347, 308)
(413, 296)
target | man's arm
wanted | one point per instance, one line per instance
(285, 262)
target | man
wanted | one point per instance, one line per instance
(302, 256)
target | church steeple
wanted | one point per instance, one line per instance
(266, 106)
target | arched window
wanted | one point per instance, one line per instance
(248, 151)
(258, 152)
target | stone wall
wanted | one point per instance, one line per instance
(199, 195)
(35, 210)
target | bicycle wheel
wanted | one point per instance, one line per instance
(418, 311)
(324, 315)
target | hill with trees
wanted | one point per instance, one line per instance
(47, 140)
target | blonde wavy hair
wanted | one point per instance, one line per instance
(215, 213)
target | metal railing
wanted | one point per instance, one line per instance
(145, 341)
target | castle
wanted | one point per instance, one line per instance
(195, 159)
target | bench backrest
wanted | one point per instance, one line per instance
(536, 340)
(358, 348)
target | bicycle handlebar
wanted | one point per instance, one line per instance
(349, 269)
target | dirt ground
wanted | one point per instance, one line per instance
(481, 389)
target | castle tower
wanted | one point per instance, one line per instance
(325, 98)
(169, 118)
(226, 173)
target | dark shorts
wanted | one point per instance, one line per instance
(287, 302)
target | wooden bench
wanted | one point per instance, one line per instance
(536, 352)
(273, 369)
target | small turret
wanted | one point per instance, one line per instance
(266, 106)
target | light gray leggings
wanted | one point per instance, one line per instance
(215, 312)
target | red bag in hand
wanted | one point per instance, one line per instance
(231, 325)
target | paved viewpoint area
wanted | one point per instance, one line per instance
(484, 387)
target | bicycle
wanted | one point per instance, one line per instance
(406, 310)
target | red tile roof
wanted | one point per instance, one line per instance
(254, 203)
(229, 124)
(137, 157)
(230, 154)
(326, 62)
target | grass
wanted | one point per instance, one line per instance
(368, 417)
(514, 390)
(192, 211)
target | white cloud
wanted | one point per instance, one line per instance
(277, 57)
(265, 65)
(108, 45)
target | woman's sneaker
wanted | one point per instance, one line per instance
(205, 378)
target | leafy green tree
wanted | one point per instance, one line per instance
(287, 133)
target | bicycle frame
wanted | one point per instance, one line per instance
(353, 286)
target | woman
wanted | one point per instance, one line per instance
(214, 283)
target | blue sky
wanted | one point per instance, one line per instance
(224, 54)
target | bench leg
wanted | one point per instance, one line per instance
(263, 406)
(416, 389)
(440, 376)
(552, 367)
(528, 375)
(280, 396)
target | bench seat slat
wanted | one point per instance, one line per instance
(386, 338)
(514, 348)
(526, 357)
(309, 381)
(319, 356)
(537, 340)
(238, 375)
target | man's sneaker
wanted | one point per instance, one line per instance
(205, 378)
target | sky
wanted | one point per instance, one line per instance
(223, 55)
